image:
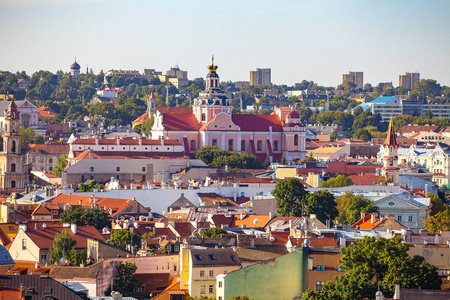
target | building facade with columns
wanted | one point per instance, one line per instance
(211, 122)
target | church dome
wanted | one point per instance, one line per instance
(75, 66)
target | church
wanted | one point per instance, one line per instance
(211, 122)
(12, 174)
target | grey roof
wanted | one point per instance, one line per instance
(214, 257)
(4, 105)
(418, 183)
(77, 287)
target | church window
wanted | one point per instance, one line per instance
(203, 117)
(13, 127)
(192, 144)
(296, 140)
(13, 183)
(275, 145)
(50, 160)
(214, 142)
(242, 145)
(230, 144)
(13, 167)
(13, 146)
(391, 162)
(259, 145)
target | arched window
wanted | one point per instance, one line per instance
(296, 140)
(203, 117)
(13, 127)
(275, 145)
(13, 146)
(50, 161)
(259, 146)
(214, 142)
(192, 144)
(13, 183)
(391, 162)
(13, 168)
(230, 145)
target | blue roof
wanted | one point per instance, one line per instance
(382, 100)
(5, 257)
(364, 106)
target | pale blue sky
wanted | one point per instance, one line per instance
(315, 40)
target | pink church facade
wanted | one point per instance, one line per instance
(211, 122)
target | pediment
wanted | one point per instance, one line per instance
(222, 122)
(392, 202)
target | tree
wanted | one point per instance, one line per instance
(436, 204)
(289, 195)
(86, 217)
(348, 85)
(373, 262)
(334, 136)
(82, 187)
(426, 88)
(213, 232)
(62, 246)
(428, 114)
(438, 222)
(147, 126)
(266, 162)
(28, 135)
(323, 204)
(338, 181)
(61, 164)
(350, 206)
(362, 134)
(122, 237)
(125, 280)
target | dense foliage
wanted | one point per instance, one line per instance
(122, 237)
(338, 181)
(64, 247)
(86, 217)
(350, 206)
(216, 157)
(61, 164)
(125, 280)
(213, 232)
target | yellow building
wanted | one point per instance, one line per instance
(329, 153)
(200, 267)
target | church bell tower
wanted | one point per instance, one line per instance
(390, 168)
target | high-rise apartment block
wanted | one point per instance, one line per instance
(260, 76)
(408, 80)
(355, 77)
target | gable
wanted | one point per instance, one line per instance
(222, 122)
(395, 203)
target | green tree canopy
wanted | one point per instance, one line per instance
(61, 164)
(86, 217)
(378, 261)
(362, 134)
(338, 181)
(323, 204)
(125, 280)
(63, 247)
(350, 206)
(122, 237)
(213, 232)
(289, 195)
(216, 157)
(28, 135)
(438, 222)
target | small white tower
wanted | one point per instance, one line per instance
(75, 69)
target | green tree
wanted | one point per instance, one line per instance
(28, 135)
(428, 114)
(266, 162)
(289, 195)
(438, 222)
(338, 181)
(86, 217)
(436, 204)
(213, 232)
(82, 187)
(125, 280)
(61, 164)
(334, 136)
(362, 134)
(62, 247)
(373, 262)
(350, 206)
(349, 85)
(147, 126)
(122, 237)
(426, 88)
(321, 203)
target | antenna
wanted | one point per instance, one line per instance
(212, 59)
(167, 95)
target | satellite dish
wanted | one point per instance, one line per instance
(314, 224)
(62, 260)
(255, 221)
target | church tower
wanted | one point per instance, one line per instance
(12, 176)
(151, 106)
(390, 168)
(212, 100)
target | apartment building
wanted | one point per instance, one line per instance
(260, 76)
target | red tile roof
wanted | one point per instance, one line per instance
(180, 122)
(46, 112)
(258, 122)
(123, 155)
(366, 179)
(281, 237)
(315, 242)
(418, 128)
(48, 149)
(44, 237)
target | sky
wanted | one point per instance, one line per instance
(298, 40)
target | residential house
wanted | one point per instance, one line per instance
(43, 157)
(411, 130)
(371, 221)
(199, 268)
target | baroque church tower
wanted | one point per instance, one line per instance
(12, 176)
(390, 168)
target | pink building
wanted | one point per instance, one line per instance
(212, 123)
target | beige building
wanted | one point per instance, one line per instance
(200, 267)
(260, 76)
(408, 80)
(42, 157)
(355, 77)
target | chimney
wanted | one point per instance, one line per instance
(290, 224)
(397, 292)
(423, 232)
(373, 217)
(73, 228)
(23, 227)
(363, 215)
(80, 202)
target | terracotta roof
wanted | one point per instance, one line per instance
(48, 149)
(250, 221)
(149, 142)
(260, 253)
(44, 237)
(184, 229)
(67, 272)
(258, 122)
(180, 122)
(281, 237)
(418, 128)
(366, 179)
(215, 199)
(46, 112)
(366, 221)
(320, 243)
(86, 154)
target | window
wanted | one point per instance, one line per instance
(176, 248)
(175, 268)
(202, 289)
(212, 257)
(233, 258)
(391, 162)
(118, 169)
(24, 244)
(211, 273)
(230, 145)
(275, 145)
(203, 117)
(192, 144)
(13, 168)
(10, 228)
(320, 268)
(143, 178)
(319, 285)
(54, 212)
(410, 218)
(44, 257)
(13, 183)
(399, 218)
(296, 140)
(143, 169)
(214, 142)
(198, 257)
(202, 274)
(211, 289)
(48, 290)
(13, 147)
(259, 145)
(220, 284)
(91, 169)
(50, 160)
(391, 203)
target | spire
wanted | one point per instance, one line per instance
(212, 68)
(391, 137)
